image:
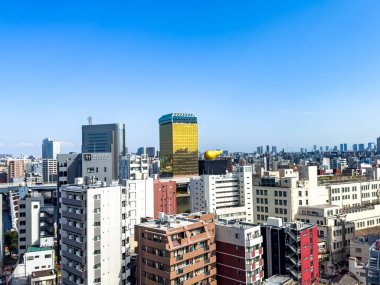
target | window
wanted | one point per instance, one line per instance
(300, 202)
(35, 206)
(236, 235)
(105, 169)
(97, 280)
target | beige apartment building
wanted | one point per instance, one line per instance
(176, 250)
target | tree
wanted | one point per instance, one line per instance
(11, 240)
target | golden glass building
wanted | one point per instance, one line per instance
(178, 145)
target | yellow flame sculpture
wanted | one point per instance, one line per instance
(212, 154)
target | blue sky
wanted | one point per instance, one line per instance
(285, 73)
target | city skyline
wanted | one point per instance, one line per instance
(254, 73)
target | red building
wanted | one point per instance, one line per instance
(291, 249)
(165, 199)
(239, 252)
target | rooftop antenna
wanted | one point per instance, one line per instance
(89, 119)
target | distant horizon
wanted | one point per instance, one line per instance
(35, 149)
(291, 74)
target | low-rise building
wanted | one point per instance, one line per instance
(33, 265)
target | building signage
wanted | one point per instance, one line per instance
(97, 156)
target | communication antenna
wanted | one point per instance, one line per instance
(89, 119)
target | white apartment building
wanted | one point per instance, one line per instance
(138, 198)
(228, 196)
(36, 222)
(134, 166)
(94, 250)
(97, 228)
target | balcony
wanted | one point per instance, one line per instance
(77, 203)
(74, 271)
(74, 243)
(73, 256)
(73, 229)
(253, 242)
(75, 216)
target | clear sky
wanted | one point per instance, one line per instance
(285, 73)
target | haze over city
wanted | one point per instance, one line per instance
(294, 73)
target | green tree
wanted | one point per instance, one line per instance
(11, 240)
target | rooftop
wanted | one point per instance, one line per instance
(279, 279)
(178, 118)
(322, 206)
(236, 224)
(36, 249)
(168, 222)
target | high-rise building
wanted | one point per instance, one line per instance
(150, 151)
(378, 145)
(371, 146)
(94, 246)
(355, 147)
(229, 195)
(141, 150)
(49, 170)
(373, 266)
(50, 149)
(291, 249)
(274, 149)
(176, 250)
(178, 145)
(105, 138)
(239, 252)
(361, 147)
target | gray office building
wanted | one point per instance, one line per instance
(69, 168)
(97, 167)
(105, 138)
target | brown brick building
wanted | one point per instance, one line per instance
(177, 250)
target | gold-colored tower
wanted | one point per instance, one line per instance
(178, 145)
